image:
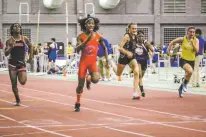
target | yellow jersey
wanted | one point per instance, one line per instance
(70, 50)
(188, 52)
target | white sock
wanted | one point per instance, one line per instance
(135, 94)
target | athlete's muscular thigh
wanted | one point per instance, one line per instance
(120, 68)
(95, 77)
(187, 67)
(22, 77)
(133, 64)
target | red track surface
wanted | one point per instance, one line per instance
(107, 111)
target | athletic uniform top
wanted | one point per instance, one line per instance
(100, 52)
(188, 52)
(201, 46)
(52, 54)
(129, 45)
(91, 48)
(141, 51)
(19, 50)
(155, 57)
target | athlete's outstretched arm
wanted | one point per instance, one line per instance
(177, 40)
(27, 41)
(9, 46)
(80, 44)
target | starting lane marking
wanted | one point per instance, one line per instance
(98, 124)
(14, 104)
(34, 127)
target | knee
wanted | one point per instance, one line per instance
(189, 72)
(118, 73)
(95, 80)
(22, 82)
(136, 73)
(79, 89)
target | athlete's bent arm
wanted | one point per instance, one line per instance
(177, 40)
(8, 48)
(121, 49)
(80, 44)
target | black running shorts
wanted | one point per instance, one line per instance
(183, 62)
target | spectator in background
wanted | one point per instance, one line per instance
(45, 48)
(1, 44)
(102, 60)
(36, 50)
(195, 80)
(31, 58)
(154, 58)
(70, 50)
(40, 48)
(52, 53)
(165, 56)
(164, 49)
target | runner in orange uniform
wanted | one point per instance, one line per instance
(88, 42)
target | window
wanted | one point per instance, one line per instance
(173, 33)
(203, 6)
(145, 30)
(25, 32)
(174, 6)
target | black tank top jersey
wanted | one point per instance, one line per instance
(129, 45)
(141, 51)
(18, 51)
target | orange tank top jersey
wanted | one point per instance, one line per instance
(91, 48)
(89, 55)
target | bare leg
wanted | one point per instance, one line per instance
(141, 75)
(94, 77)
(120, 68)
(22, 77)
(135, 68)
(188, 73)
(13, 78)
(79, 91)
